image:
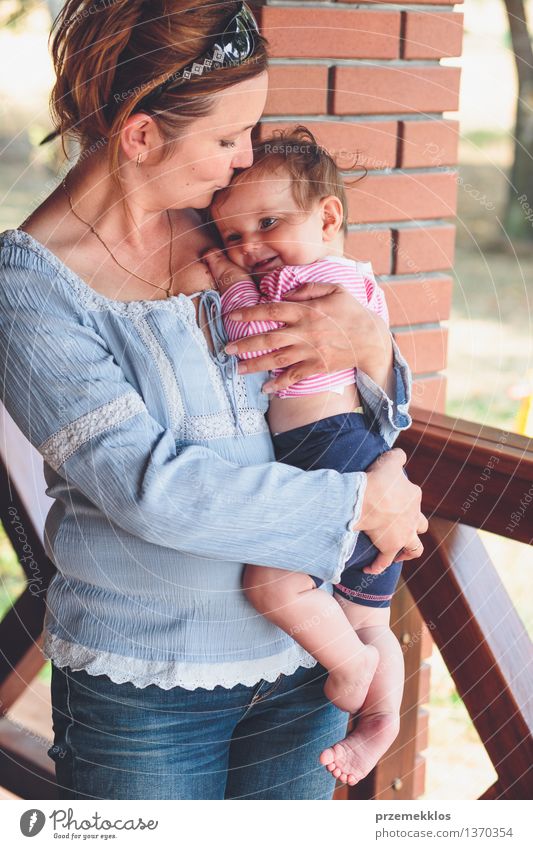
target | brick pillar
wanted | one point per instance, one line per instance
(367, 79)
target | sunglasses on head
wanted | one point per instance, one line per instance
(232, 47)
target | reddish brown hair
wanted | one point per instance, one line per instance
(109, 54)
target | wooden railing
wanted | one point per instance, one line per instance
(472, 477)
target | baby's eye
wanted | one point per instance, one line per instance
(267, 222)
(233, 237)
(227, 143)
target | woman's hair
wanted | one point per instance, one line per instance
(312, 169)
(109, 55)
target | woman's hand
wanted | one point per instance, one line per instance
(326, 329)
(391, 512)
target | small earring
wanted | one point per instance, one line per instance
(138, 160)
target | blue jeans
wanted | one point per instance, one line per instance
(346, 443)
(116, 741)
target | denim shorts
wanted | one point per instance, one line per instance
(117, 741)
(345, 443)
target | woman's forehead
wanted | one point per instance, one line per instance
(240, 106)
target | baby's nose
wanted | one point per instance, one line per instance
(250, 248)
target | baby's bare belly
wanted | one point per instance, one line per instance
(288, 413)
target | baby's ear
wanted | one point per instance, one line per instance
(332, 216)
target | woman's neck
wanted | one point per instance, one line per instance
(119, 212)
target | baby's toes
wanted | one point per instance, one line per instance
(327, 758)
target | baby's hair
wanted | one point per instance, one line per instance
(312, 169)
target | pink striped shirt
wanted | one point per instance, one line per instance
(356, 277)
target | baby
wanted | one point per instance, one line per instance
(282, 223)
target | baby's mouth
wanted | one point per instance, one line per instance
(264, 264)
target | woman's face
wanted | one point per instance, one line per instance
(213, 147)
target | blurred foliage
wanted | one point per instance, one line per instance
(13, 12)
(12, 578)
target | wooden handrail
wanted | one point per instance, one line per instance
(474, 474)
(477, 477)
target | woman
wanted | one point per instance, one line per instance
(166, 683)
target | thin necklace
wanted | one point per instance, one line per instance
(92, 229)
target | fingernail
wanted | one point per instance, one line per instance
(231, 349)
(242, 369)
(236, 316)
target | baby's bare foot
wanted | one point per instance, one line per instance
(348, 684)
(354, 757)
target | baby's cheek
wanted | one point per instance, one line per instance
(234, 255)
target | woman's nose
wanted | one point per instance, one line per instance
(245, 157)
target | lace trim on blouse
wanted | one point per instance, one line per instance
(168, 674)
(61, 445)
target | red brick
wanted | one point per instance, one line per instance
(406, 2)
(424, 350)
(429, 143)
(429, 394)
(373, 246)
(424, 249)
(402, 197)
(429, 35)
(383, 90)
(372, 144)
(416, 301)
(297, 89)
(336, 34)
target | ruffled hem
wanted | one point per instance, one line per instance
(168, 674)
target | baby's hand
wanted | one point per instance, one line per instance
(225, 272)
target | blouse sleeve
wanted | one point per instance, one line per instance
(390, 415)
(68, 395)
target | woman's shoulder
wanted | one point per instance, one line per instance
(34, 281)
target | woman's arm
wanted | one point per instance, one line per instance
(333, 332)
(68, 395)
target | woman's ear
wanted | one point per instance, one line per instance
(139, 137)
(332, 217)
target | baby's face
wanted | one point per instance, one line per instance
(262, 227)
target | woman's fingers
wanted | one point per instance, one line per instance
(261, 342)
(311, 290)
(384, 559)
(382, 562)
(423, 525)
(274, 311)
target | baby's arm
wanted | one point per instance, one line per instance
(237, 291)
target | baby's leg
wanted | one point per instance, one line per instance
(292, 601)
(378, 720)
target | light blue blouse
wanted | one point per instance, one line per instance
(159, 460)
